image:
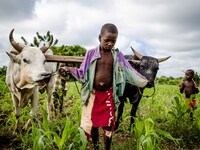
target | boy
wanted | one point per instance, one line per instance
(189, 87)
(103, 73)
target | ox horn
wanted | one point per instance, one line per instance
(46, 46)
(136, 53)
(163, 59)
(13, 43)
(134, 61)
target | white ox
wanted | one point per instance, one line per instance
(27, 72)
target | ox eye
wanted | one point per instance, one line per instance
(142, 67)
(25, 60)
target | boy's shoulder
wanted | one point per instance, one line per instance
(93, 50)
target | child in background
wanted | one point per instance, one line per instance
(189, 87)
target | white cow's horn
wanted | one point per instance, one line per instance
(13, 43)
(47, 45)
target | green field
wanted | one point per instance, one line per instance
(162, 122)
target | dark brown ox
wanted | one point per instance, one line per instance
(148, 67)
(27, 72)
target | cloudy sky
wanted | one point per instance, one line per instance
(157, 28)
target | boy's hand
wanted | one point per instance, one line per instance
(196, 85)
(63, 70)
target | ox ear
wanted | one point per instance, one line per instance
(163, 59)
(13, 58)
(138, 55)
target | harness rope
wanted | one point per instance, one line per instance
(147, 95)
(69, 73)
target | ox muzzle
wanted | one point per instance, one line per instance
(44, 78)
(150, 84)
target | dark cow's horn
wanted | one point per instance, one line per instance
(136, 53)
(13, 43)
(163, 59)
(134, 61)
(46, 46)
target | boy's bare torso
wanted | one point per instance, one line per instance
(104, 71)
(189, 88)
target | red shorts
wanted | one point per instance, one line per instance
(192, 104)
(103, 109)
(99, 112)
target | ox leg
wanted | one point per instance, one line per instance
(62, 99)
(34, 104)
(64, 91)
(34, 108)
(50, 105)
(133, 111)
(18, 112)
(120, 112)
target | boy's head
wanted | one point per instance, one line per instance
(108, 36)
(109, 27)
(189, 74)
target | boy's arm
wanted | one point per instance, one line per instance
(77, 73)
(181, 87)
(135, 78)
(196, 89)
(132, 76)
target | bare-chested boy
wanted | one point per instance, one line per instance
(103, 75)
(189, 87)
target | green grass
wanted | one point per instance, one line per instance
(162, 122)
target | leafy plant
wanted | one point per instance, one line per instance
(180, 108)
(38, 39)
(147, 136)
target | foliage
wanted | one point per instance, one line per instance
(75, 50)
(3, 87)
(175, 81)
(196, 78)
(168, 80)
(179, 108)
(38, 39)
(158, 108)
(3, 71)
(161, 120)
(147, 136)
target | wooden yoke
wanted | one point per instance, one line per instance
(65, 59)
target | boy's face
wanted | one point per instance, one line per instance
(108, 40)
(188, 75)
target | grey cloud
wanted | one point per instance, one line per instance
(12, 10)
(156, 28)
